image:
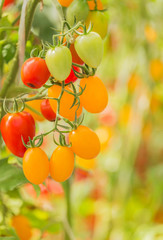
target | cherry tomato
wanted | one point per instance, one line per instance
(72, 77)
(65, 104)
(8, 3)
(85, 142)
(34, 72)
(35, 165)
(22, 227)
(95, 96)
(89, 47)
(78, 10)
(65, 3)
(59, 62)
(61, 164)
(13, 127)
(91, 4)
(99, 22)
(47, 110)
(75, 57)
(36, 105)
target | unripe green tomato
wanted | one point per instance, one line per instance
(89, 47)
(99, 21)
(59, 62)
(78, 10)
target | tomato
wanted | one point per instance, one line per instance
(95, 96)
(156, 69)
(47, 110)
(22, 227)
(85, 142)
(8, 3)
(36, 105)
(59, 62)
(78, 10)
(72, 77)
(99, 22)
(75, 57)
(91, 4)
(65, 104)
(35, 165)
(89, 47)
(34, 72)
(65, 3)
(61, 164)
(13, 127)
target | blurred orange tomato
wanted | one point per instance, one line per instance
(91, 4)
(104, 134)
(156, 69)
(150, 34)
(22, 227)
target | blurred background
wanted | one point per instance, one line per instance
(119, 195)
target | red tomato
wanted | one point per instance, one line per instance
(34, 72)
(72, 77)
(47, 110)
(75, 57)
(15, 125)
(8, 2)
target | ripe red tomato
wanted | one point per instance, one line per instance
(34, 72)
(47, 110)
(75, 56)
(8, 2)
(15, 125)
(72, 77)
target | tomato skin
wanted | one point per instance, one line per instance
(65, 3)
(47, 110)
(35, 165)
(72, 77)
(65, 104)
(75, 57)
(95, 96)
(34, 72)
(22, 227)
(59, 62)
(8, 3)
(78, 9)
(89, 47)
(85, 142)
(61, 164)
(99, 21)
(15, 125)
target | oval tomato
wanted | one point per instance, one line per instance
(36, 105)
(47, 110)
(75, 57)
(61, 164)
(78, 10)
(65, 104)
(95, 96)
(59, 62)
(99, 22)
(72, 77)
(22, 227)
(85, 142)
(13, 127)
(89, 47)
(34, 72)
(65, 3)
(35, 165)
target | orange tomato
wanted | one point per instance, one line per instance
(85, 163)
(22, 227)
(85, 142)
(61, 164)
(65, 104)
(65, 3)
(156, 69)
(95, 97)
(91, 5)
(150, 34)
(35, 165)
(36, 105)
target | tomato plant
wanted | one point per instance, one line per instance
(35, 165)
(22, 227)
(47, 110)
(61, 164)
(14, 127)
(85, 142)
(89, 47)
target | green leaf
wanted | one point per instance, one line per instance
(10, 176)
(37, 189)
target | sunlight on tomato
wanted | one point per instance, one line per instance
(150, 33)
(133, 82)
(36, 105)
(104, 134)
(91, 5)
(22, 227)
(85, 163)
(156, 69)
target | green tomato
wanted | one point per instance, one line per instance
(89, 47)
(78, 10)
(59, 62)
(99, 21)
